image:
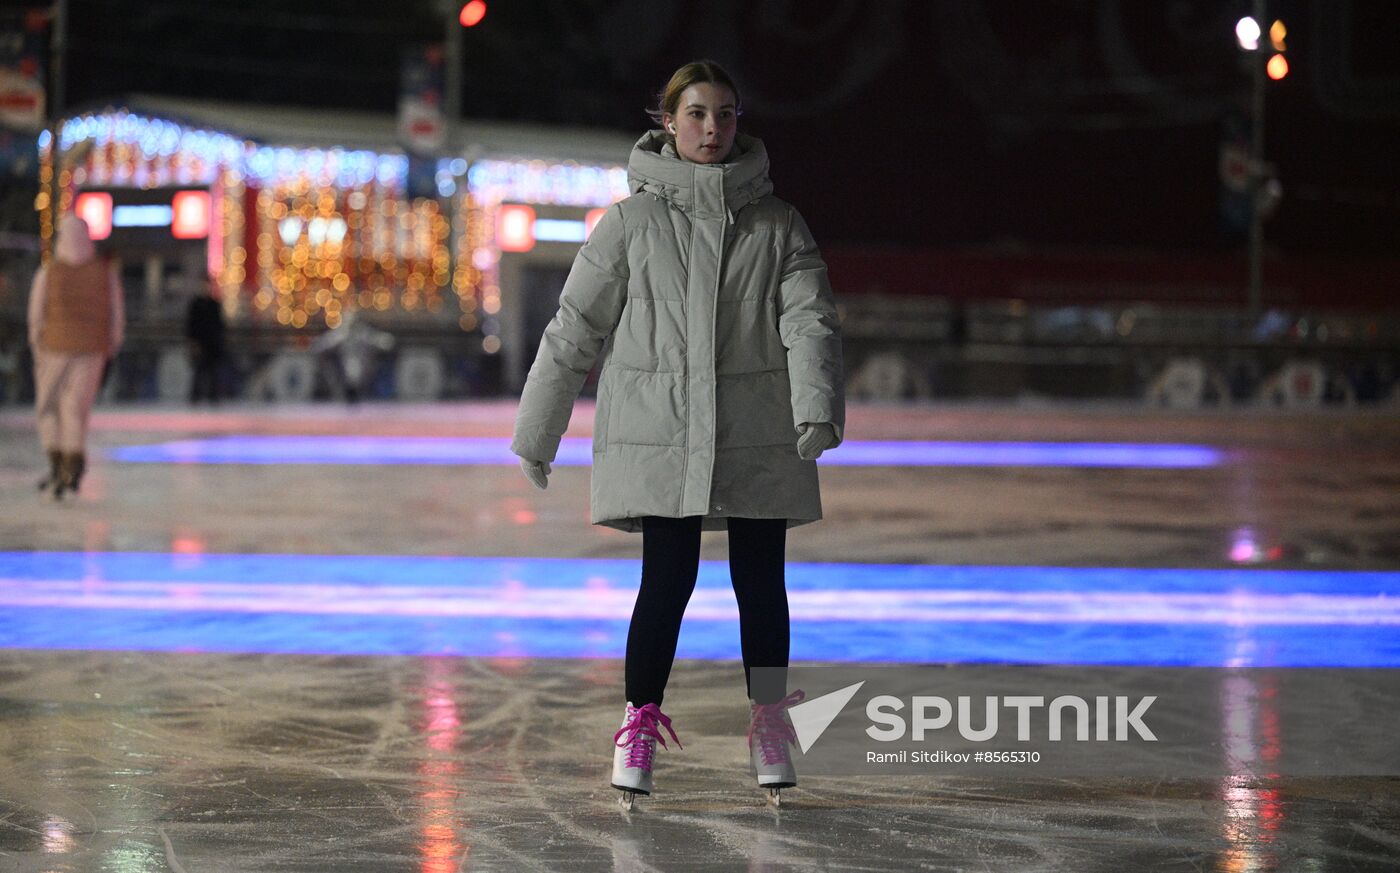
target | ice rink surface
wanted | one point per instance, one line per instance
(323, 639)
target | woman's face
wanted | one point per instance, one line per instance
(704, 124)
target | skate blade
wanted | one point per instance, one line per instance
(775, 798)
(625, 788)
(629, 795)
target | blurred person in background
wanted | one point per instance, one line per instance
(76, 324)
(354, 341)
(721, 387)
(11, 377)
(207, 333)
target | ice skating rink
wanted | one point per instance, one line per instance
(327, 639)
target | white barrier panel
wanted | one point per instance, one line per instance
(1182, 384)
(888, 376)
(174, 375)
(418, 375)
(1300, 383)
(292, 376)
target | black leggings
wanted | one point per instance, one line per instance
(670, 562)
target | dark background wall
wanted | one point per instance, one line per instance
(1081, 123)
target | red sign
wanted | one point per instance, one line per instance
(95, 207)
(515, 228)
(21, 99)
(190, 215)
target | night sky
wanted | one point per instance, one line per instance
(1064, 123)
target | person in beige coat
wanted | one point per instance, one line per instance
(76, 324)
(721, 383)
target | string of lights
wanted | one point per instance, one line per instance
(305, 234)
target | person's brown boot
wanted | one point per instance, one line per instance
(55, 471)
(74, 465)
(79, 468)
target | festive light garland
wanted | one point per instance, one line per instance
(566, 184)
(490, 183)
(42, 201)
(334, 228)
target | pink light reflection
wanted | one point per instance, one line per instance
(439, 848)
(185, 541)
(1251, 739)
(1244, 552)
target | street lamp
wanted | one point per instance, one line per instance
(472, 13)
(1264, 189)
(1247, 34)
(1278, 64)
(468, 15)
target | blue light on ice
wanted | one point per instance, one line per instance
(542, 607)
(578, 452)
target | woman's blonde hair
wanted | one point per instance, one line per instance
(669, 98)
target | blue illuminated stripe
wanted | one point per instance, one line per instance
(324, 450)
(546, 607)
(579, 452)
(558, 230)
(142, 216)
(1009, 454)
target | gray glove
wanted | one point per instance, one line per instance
(536, 471)
(815, 439)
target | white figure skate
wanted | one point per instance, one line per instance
(769, 736)
(634, 749)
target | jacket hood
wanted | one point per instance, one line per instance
(655, 168)
(74, 245)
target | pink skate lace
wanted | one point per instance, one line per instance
(641, 724)
(774, 732)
